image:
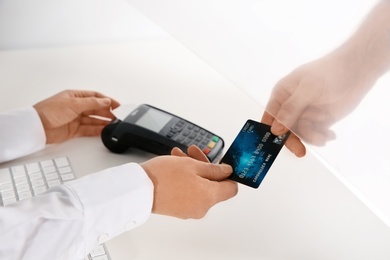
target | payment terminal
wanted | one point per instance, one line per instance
(156, 131)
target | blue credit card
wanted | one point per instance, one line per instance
(252, 153)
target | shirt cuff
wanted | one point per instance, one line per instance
(113, 201)
(21, 133)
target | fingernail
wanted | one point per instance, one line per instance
(105, 101)
(226, 168)
(278, 128)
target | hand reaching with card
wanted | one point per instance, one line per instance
(312, 98)
(316, 95)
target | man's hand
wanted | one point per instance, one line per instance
(185, 187)
(316, 95)
(313, 97)
(74, 113)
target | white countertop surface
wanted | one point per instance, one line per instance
(300, 211)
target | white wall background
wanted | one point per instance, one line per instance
(49, 23)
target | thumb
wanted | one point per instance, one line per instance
(215, 172)
(176, 151)
(290, 112)
(91, 103)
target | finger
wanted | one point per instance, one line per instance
(277, 128)
(315, 133)
(281, 92)
(288, 114)
(267, 118)
(295, 145)
(178, 152)
(88, 120)
(86, 105)
(214, 172)
(195, 152)
(224, 190)
(88, 94)
(104, 113)
(280, 95)
(292, 109)
(89, 130)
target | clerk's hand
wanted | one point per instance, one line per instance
(193, 151)
(185, 187)
(72, 113)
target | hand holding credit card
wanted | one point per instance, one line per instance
(252, 153)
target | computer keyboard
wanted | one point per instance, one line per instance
(24, 181)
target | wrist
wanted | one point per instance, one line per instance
(361, 65)
(369, 46)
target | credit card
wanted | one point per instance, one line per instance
(252, 153)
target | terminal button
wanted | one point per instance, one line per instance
(206, 150)
(211, 144)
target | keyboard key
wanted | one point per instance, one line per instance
(64, 170)
(51, 176)
(67, 177)
(36, 175)
(9, 201)
(5, 176)
(49, 169)
(21, 180)
(99, 250)
(53, 183)
(37, 183)
(8, 194)
(24, 195)
(47, 163)
(32, 167)
(18, 171)
(39, 190)
(101, 257)
(62, 162)
(6, 186)
(23, 187)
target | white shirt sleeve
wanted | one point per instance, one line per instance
(68, 221)
(21, 133)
